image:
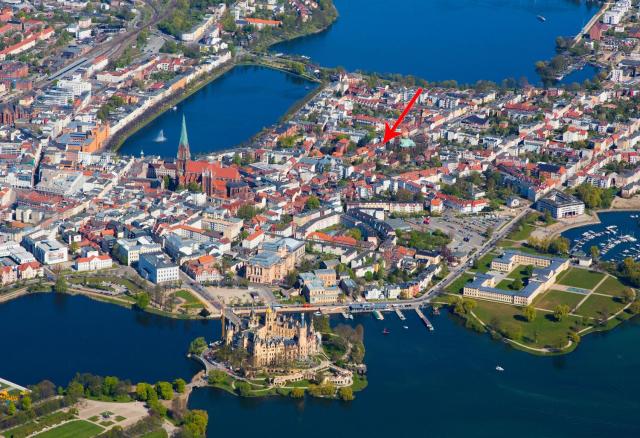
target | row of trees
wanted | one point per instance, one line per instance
(42, 401)
(31, 406)
(595, 197)
(109, 388)
(422, 240)
(107, 108)
(628, 270)
(555, 245)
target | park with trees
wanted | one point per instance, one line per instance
(580, 302)
(47, 406)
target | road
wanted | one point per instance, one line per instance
(591, 22)
(216, 308)
(213, 305)
(416, 302)
(112, 49)
(484, 249)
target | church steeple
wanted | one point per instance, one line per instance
(184, 139)
(184, 154)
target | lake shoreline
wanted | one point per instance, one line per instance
(116, 142)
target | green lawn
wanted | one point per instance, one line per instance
(34, 426)
(580, 278)
(191, 301)
(544, 331)
(611, 286)
(505, 284)
(505, 243)
(520, 272)
(187, 296)
(521, 232)
(597, 306)
(484, 263)
(456, 286)
(73, 429)
(553, 298)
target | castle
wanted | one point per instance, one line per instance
(279, 340)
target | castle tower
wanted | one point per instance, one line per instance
(303, 348)
(184, 153)
(270, 317)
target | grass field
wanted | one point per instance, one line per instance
(484, 263)
(456, 286)
(521, 233)
(553, 298)
(505, 284)
(611, 286)
(598, 306)
(519, 272)
(544, 331)
(73, 429)
(190, 300)
(504, 243)
(580, 278)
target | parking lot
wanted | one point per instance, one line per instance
(254, 295)
(467, 232)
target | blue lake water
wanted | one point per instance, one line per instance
(579, 76)
(224, 113)
(621, 236)
(53, 336)
(444, 384)
(440, 383)
(465, 40)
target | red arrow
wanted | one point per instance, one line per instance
(390, 133)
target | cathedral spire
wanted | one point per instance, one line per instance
(184, 140)
(184, 154)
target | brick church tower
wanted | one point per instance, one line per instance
(184, 154)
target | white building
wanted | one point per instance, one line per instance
(560, 205)
(50, 252)
(254, 240)
(129, 250)
(75, 84)
(158, 268)
(93, 263)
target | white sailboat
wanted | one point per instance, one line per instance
(160, 137)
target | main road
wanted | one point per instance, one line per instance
(486, 247)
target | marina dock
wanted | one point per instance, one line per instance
(400, 314)
(424, 319)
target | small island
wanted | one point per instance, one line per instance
(278, 354)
